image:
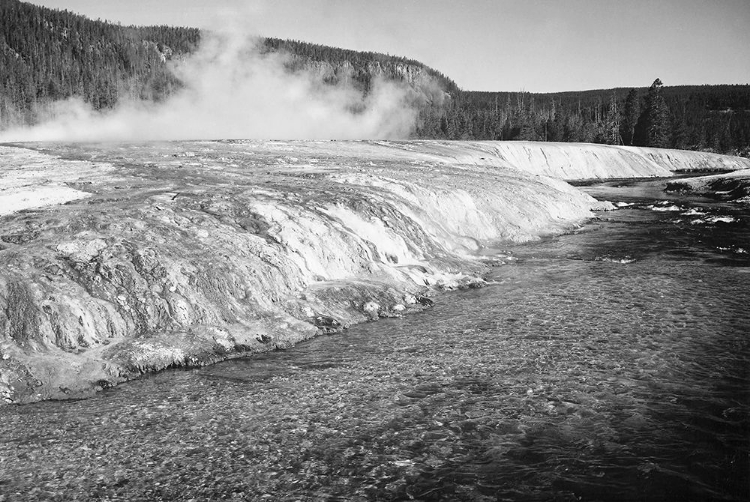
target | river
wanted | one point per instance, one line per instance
(611, 363)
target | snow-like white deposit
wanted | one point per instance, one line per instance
(14, 200)
(572, 161)
(29, 180)
(682, 160)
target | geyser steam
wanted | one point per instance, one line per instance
(232, 90)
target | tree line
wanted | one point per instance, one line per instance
(47, 55)
(709, 118)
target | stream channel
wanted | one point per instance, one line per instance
(611, 363)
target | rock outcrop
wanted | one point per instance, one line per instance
(150, 256)
(734, 186)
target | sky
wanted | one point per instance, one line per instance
(491, 45)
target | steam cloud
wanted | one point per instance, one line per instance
(233, 91)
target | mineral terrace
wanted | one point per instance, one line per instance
(120, 259)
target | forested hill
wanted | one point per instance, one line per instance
(361, 67)
(47, 55)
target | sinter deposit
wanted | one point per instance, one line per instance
(122, 259)
(734, 186)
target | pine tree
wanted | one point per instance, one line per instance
(613, 122)
(653, 128)
(630, 117)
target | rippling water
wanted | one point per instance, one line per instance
(609, 364)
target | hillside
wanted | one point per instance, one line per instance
(49, 55)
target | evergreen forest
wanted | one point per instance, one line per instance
(48, 55)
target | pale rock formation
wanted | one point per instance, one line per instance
(182, 254)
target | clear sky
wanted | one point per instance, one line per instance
(492, 45)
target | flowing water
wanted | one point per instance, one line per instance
(612, 363)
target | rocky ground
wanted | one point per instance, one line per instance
(734, 186)
(123, 259)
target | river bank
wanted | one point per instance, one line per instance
(734, 186)
(148, 256)
(609, 363)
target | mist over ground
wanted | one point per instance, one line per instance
(232, 90)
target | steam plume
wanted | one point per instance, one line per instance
(233, 91)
